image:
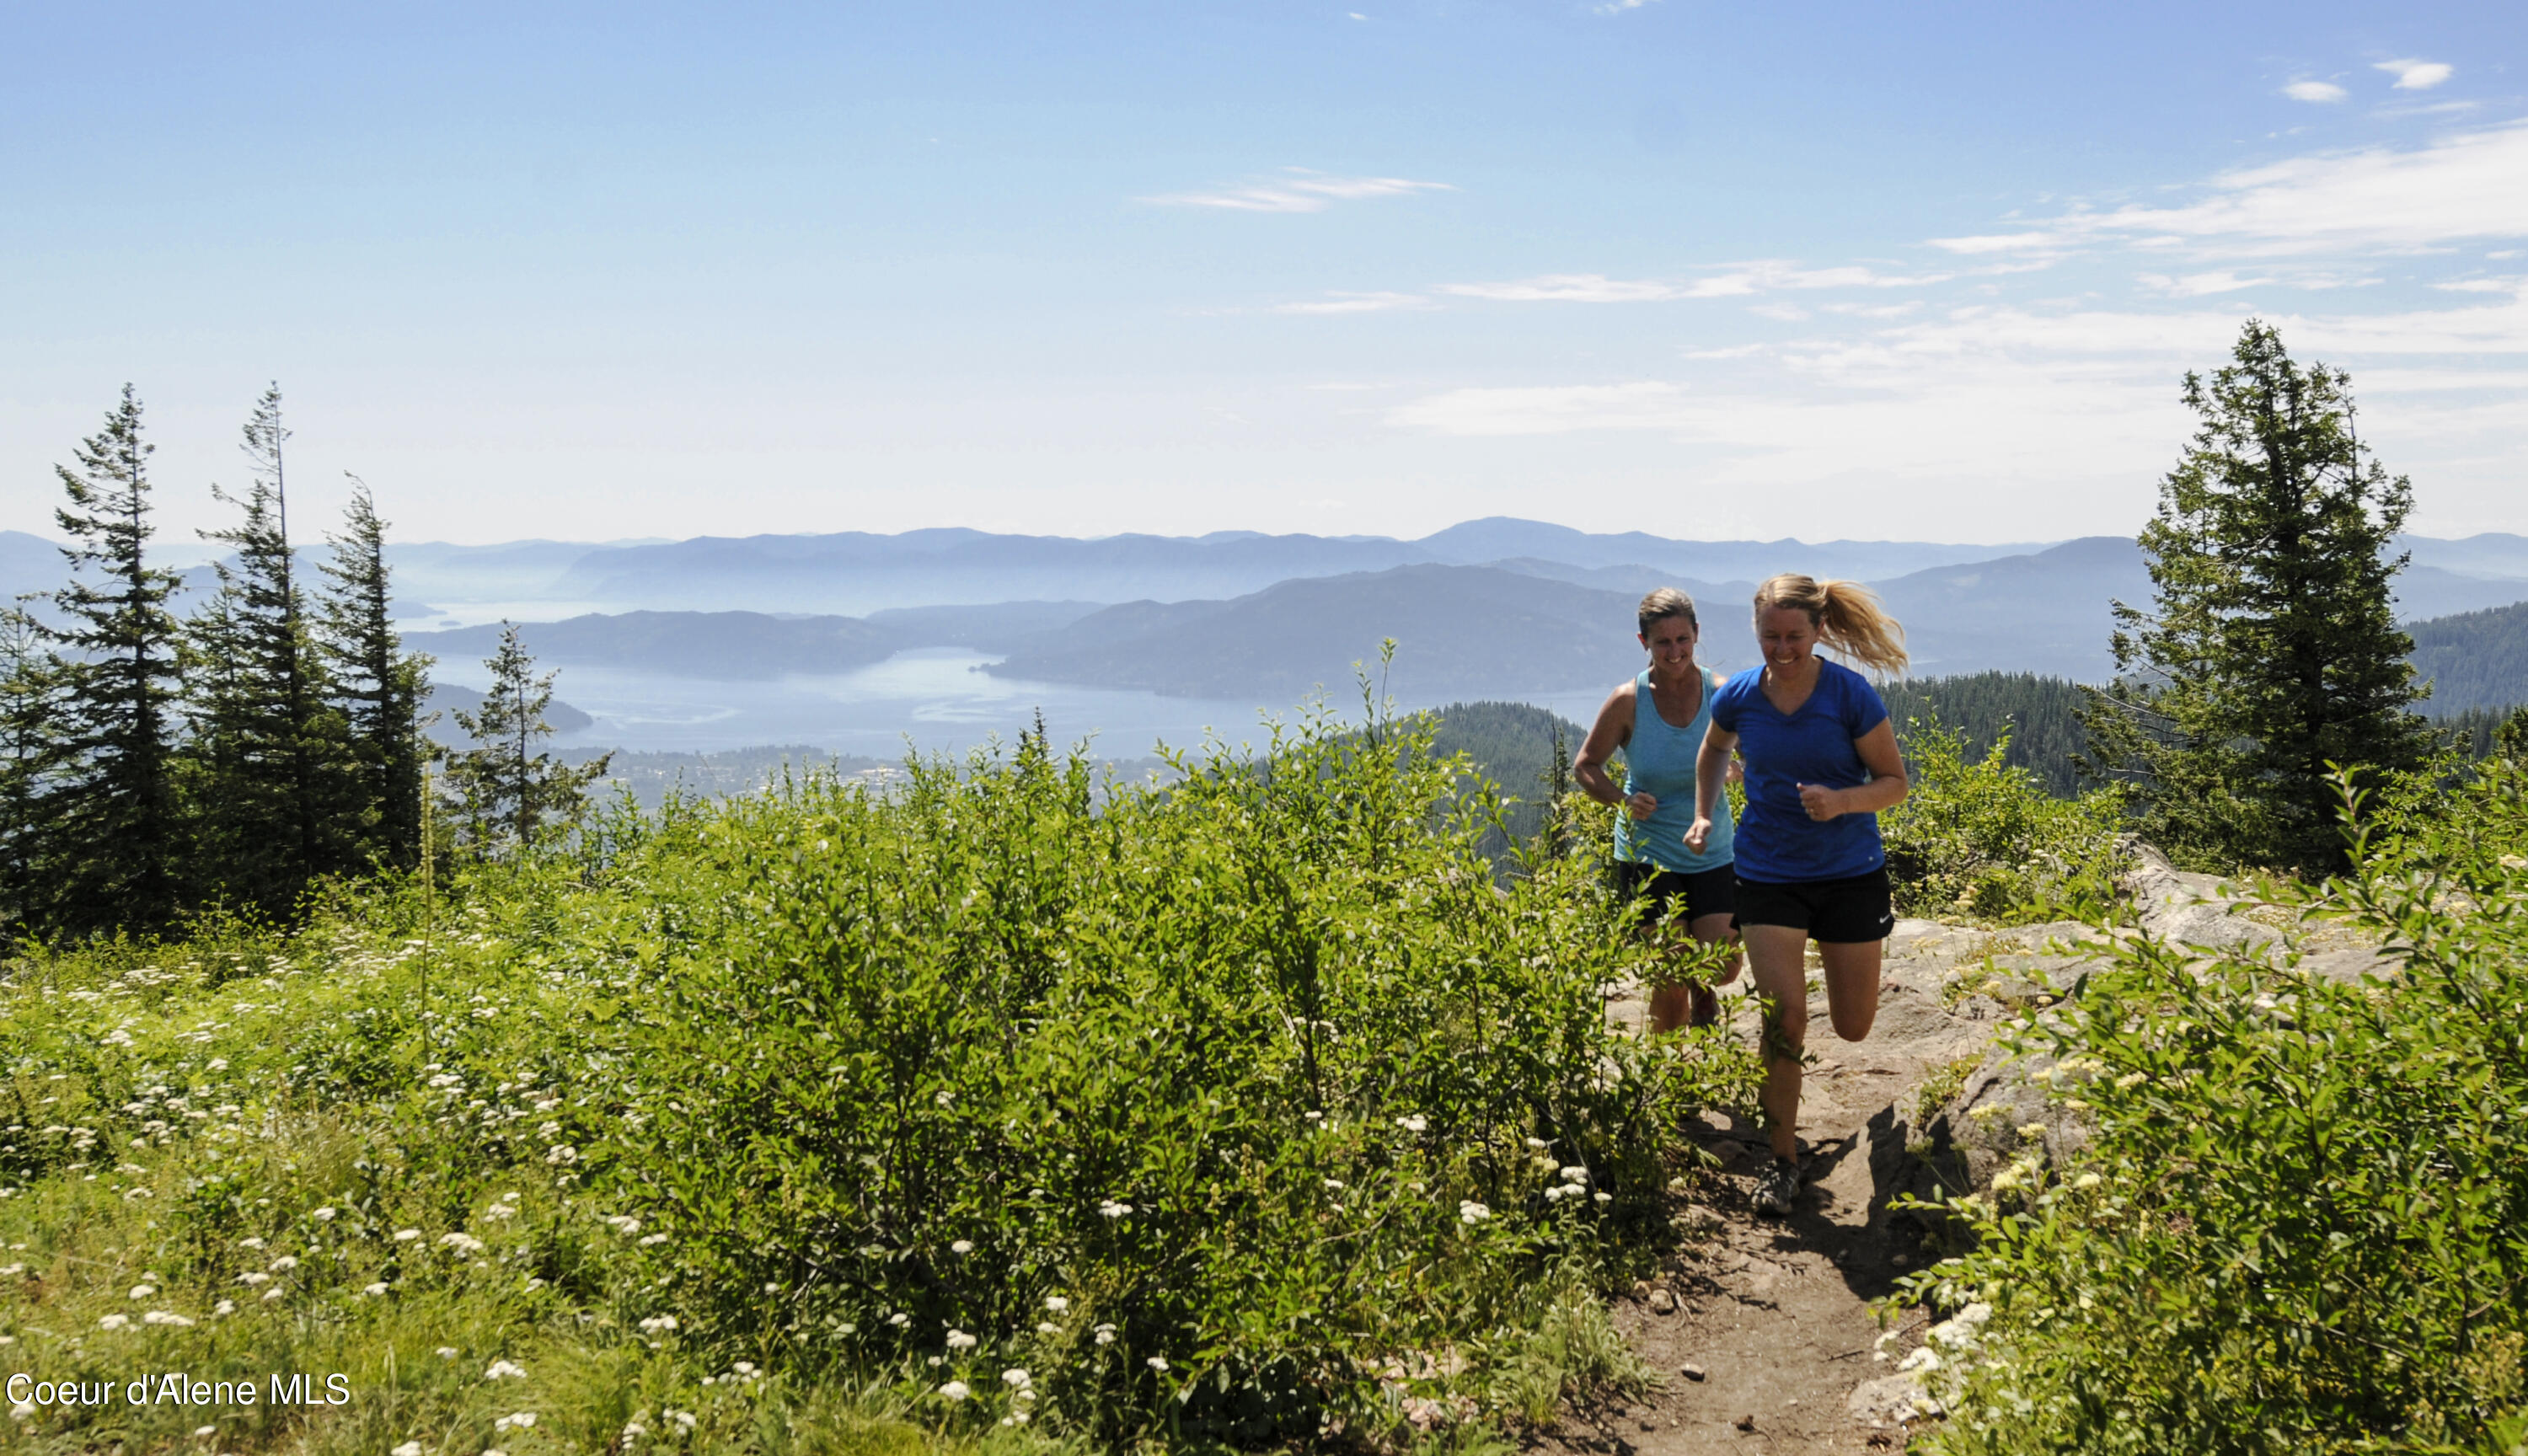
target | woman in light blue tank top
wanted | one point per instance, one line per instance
(1659, 721)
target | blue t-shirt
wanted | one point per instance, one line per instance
(1778, 842)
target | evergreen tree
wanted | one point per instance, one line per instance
(29, 758)
(510, 790)
(119, 825)
(2273, 652)
(279, 802)
(380, 685)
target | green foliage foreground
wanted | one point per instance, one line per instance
(1247, 1112)
(2302, 1222)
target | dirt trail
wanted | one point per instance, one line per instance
(1774, 1314)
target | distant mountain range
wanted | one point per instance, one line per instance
(1495, 607)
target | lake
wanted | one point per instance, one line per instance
(936, 698)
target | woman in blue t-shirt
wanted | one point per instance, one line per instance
(1659, 721)
(1821, 761)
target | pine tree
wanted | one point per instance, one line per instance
(2273, 652)
(31, 680)
(380, 685)
(118, 825)
(278, 801)
(510, 791)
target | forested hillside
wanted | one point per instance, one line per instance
(2039, 713)
(2475, 659)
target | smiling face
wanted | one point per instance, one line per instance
(1671, 642)
(1786, 637)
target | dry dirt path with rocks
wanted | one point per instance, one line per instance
(1763, 1328)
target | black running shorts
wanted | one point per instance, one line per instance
(1832, 912)
(1668, 893)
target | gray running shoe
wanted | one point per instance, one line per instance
(1778, 1187)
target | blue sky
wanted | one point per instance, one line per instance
(1881, 270)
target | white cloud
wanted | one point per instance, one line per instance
(1990, 402)
(2314, 91)
(2468, 186)
(1618, 7)
(2416, 76)
(1342, 303)
(1298, 189)
(2198, 285)
(1734, 281)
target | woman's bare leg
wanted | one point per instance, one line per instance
(1710, 930)
(1676, 1006)
(1850, 985)
(1776, 956)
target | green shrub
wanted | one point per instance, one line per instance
(1982, 839)
(688, 1127)
(2301, 1224)
(1188, 1107)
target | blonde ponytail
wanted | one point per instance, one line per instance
(1850, 619)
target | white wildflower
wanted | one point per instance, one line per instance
(167, 1318)
(1537, 1145)
(323, 1215)
(446, 1352)
(652, 1240)
(406, 1236)
(1923, 1359)
(1471, 1212)
(284, 1265)
(462, 1243)
(372, 1291)
(959, 1339)
(962, 1246)
(1014, 1377)
(408, 1448)
(1575, 1174)
(225, 1307)
(955, 1391)
(1113, 1209)
(1057, 1304)
(250, 1243)
(502, 1370)
(1415, 1122)
(114, 1321)
(143, 1291)
(1158, 1363)
(502, 1211)
(254, 1276)
(522, 1421)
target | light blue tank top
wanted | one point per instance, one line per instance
(1659, 762)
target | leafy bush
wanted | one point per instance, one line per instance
(674, 1143)
(2301, 1224)
(1983, 839)
(1210, 1110)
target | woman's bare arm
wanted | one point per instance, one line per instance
(1888, 783)
(1710, 772)
(1612, 730)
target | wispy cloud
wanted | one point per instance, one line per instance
(2314, 91)
(1342, 303)
(2468, 186)
(1298, 189)
(1618, 7)
(2417, 76)
(2198, 285)
(1732, 281)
